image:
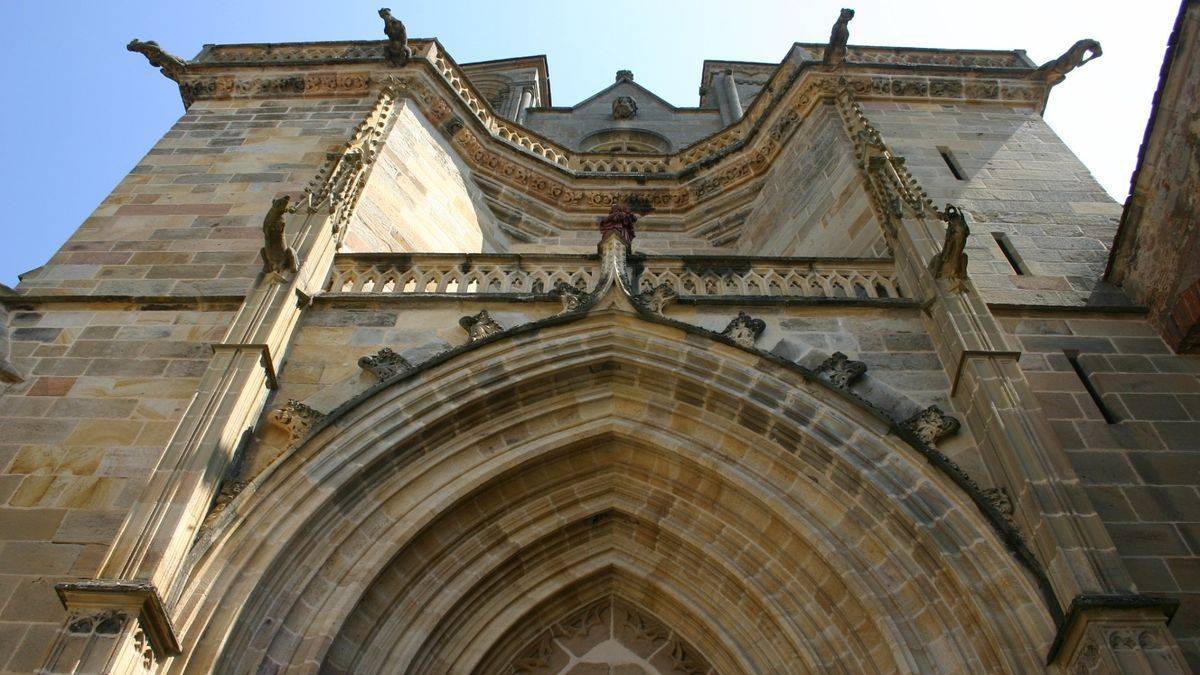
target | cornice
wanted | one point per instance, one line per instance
(575, 182)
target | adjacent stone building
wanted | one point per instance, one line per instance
(378, 362)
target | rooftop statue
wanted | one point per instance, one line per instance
(398, 51)
(277, 256)
(1080, 53)
(835, 53)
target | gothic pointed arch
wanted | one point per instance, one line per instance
(448, 519)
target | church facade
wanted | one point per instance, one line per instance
(379, 362)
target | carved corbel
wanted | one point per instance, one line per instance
(931, 425)
(168, 64)
(744, 330)
(295, 418)
(841, 371)
(277, 256)
(480, 325)
(384, 364)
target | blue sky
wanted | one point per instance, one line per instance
(80, 111)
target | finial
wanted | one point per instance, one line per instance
(624, 76)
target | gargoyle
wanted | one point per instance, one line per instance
(835, 53)
(277, 256)
(398, 51)
(168, 64)
(1080, 53)
(951, 261)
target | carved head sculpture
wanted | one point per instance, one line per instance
(845, 15)
(624, 107)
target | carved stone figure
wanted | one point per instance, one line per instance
(951, 261)
(620, 219)
(835, 53)
(277, 256)
(384, 364)
(841, 371)
(480, 325)
(168, 64)
(656, 299)
(1081, 52)
(931, 425)
(398, 52)
(571, 296)
(744, 329)
(296, 418)
(624, 107)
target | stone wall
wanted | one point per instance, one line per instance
(1141, 469)
(814, 201)
(420, 196)
(187, 220)
(105, 387)
(1018, 180)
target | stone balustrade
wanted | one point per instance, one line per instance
(692, 276)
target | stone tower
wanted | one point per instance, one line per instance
(379, 362)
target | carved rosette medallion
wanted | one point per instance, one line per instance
(384, 364)
(480, 325)
(744, 330)
(931, 425)
(841, 371)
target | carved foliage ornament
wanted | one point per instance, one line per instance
(931, 425)
(841, 371)
(572, 297)
(480, 325)
(296, 418)
(656, 299)
(744, 330)
(384, 364)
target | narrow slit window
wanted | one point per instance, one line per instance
(952, 163)
(1010, 252)
(1073, 358)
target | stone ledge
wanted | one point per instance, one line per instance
(136, 596)
(138, 302)
(1082, 605)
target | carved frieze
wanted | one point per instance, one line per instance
(931, 425)
(744, 330)
(297, 419)
(841, 371)
(384, 364)
(480, 325)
